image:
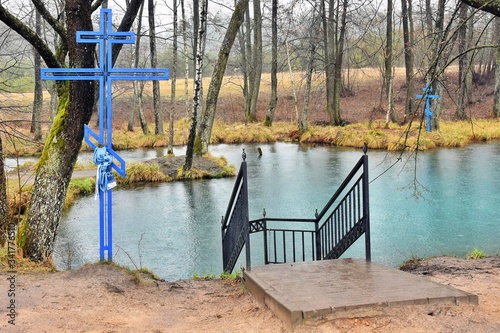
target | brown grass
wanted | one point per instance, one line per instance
(362, 109)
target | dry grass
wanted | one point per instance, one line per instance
(142, 172)
(361, 108)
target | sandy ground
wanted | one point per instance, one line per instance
(105, 298)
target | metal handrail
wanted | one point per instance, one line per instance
(331, 235)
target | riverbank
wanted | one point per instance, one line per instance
(67, 301)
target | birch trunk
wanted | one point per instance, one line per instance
(173, 78)
(190, 150)
(218, 75)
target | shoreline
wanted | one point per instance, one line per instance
(65, 301)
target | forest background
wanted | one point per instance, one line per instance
(338, 72)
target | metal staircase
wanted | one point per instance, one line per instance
(343, 220)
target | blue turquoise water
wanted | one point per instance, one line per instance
(442, 201)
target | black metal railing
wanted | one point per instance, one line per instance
(341, 226)
(343, 220)
(286, 239)
(235, 225)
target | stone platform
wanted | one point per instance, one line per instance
(299, 291)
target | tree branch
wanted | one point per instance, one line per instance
(54, 23)
(126, 23)
(490, 6)
(24, 31)
(95, 6)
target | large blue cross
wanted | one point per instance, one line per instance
(427, 96)
(105, 74)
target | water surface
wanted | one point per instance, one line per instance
(442, 202)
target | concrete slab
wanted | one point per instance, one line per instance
(298, 291)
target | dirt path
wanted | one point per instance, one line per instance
(104, 298)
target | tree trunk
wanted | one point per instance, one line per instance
(274, 65)
(435, 72)
(256, 59)
(428, 17)
(388, 48)
(463, 65)
(173, 77)
(329, 40)
(292, 80)
(303, 123)
(337, 87)
(53, 101)
(496, 95)
(249, 65)
(406, 11)
(196, 30)
(389, 73)
(186, 59)
(158, 112)
(205, 130)
(243, 35)
(490, 6)
(190, 149)
(36, 125)
(139, 105)
(390, 103)
(39, 228)
(138, 86)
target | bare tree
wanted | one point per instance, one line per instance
(197, 99)
(173, 77)
(245, 65)
(464, 62)
(341, 19)
(436, 67)
(493, 7)
(138, 85)
(255, 78)
(334, 25)
(158, 112)
(208, 118)
(36, 125)
(185, 53)
(496, 95)
(313, 45)
(274, 65)
(409, 42)
(389, 73)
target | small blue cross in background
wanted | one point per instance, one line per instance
(428, 114)
(103, 150)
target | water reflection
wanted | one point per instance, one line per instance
(174, 228)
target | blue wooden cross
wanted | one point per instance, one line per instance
(103, 150)
(428, 114)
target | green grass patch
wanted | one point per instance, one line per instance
(476, 254)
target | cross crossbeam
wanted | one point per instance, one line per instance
(427, 96)
(105, 38)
